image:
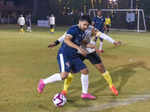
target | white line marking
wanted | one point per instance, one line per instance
(116, 103)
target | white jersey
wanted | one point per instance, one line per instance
(89, 39)
(21, 21)
(52, 20)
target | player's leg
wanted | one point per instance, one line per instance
(51, 79)
(101, 45)
(68, 80)
(52, 29)
(107, 28)
(96, 60)
(30, 30)
(107, 77)
(21, 28)
(85, 85)
(78, 65)
(67, 84)
(64, 71)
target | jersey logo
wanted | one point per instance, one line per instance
(68, 64)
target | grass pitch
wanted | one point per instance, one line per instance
(25, 58)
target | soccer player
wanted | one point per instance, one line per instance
(99, 23)
(92, 56)
(107, 23)
(28, 22)
(69, 60)
(52, 23)
(21, 22)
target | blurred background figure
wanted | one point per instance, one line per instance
(99, 23)
(107, 23)
(28, 23)
(21, 22)
(52, 23)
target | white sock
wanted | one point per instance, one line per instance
(101, 45)
(85, 83)
(52, 78)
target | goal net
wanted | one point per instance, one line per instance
(124, 19)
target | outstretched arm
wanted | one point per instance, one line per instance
(59, 40)
(108, 38)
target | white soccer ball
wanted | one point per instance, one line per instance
(59, 100)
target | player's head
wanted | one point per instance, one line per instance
(99, 13)
(84, 22)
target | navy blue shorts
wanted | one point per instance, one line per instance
(92, 57)
(73, 65)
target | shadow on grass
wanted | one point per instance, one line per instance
(120, 74)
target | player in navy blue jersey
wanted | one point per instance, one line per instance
(99, 23)
(69, 60)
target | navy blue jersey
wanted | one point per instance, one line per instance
(77, 37)
(99, 23)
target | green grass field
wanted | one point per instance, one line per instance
(25, 58)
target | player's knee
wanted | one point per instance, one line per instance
(101, 68)
(64, 75)
(84, 71)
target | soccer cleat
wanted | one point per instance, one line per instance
(41, 86)
(64, 92)
(87, 96)
(114, 90)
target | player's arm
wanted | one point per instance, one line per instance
(93, 22)
(108, 38)
(68, 41)
(57, 42)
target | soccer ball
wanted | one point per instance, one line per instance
(59, 100)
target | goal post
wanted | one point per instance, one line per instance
(124, 19)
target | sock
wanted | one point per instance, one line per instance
(101, 45)
(52, 78)
(52, 30)
(67, 82)
(108, 78)
(84, 82)
(22, 30)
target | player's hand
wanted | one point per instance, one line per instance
(51, 45)
(117, 43)
(82, 51)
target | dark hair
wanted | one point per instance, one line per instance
(85, 18)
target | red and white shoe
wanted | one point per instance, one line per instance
(114, 90)
(87, 96)
(64, 92)
(41, 86)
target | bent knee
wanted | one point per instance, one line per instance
(84, 71)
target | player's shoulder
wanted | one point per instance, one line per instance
(103, 17)
(95, 17)
(74, 28)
